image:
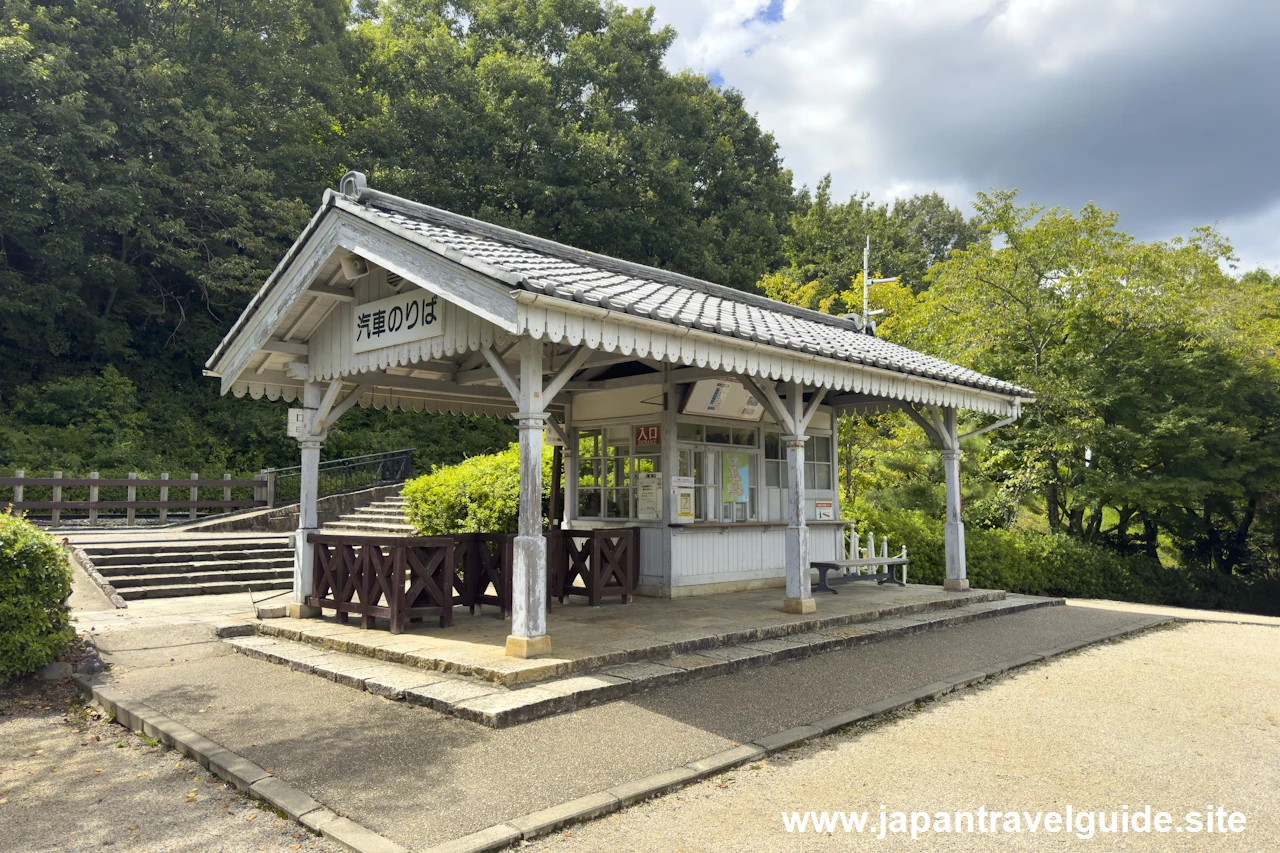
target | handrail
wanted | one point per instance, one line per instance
(340, 476)
(346, 460)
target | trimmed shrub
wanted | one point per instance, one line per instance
(1042, 564)
(479, 495)
(35, 580)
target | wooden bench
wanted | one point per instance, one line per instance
(872, 560)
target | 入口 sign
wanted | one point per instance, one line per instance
(410, 316)
(648, 436)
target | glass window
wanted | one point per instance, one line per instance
(745, 437)
(607, 469)
(772, 446)
(689, 432)
(719, 434)
(818, 448)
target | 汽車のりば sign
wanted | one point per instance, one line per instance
(409, 316)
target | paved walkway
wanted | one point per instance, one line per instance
(1184, 613)
(421, 778)
(70, 781)
(1177, 719)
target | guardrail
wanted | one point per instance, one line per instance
(58, 501)
(339, 476)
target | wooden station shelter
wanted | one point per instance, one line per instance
(699, 415)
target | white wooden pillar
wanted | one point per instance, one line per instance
(953, 533)
(529, 570)
(799, 593)
(670, 469)
(308, 489)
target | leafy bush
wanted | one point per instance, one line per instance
(1042, 564)
(35, 580)
(479, 495)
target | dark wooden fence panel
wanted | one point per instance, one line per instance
(58, 502)
(393, 578)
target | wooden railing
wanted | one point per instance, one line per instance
(604, 561)
(396, 579)
(56, 503)
(410, 578)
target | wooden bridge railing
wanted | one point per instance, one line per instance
(94, 505)
(415, 577)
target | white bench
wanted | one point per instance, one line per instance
(857, 559)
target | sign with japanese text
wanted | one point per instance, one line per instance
(649, 496)
(410, 316)
(648, 436)
(723, 398)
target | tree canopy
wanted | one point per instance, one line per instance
(157, 158)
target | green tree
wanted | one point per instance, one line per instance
(558, 117)
(824, 248)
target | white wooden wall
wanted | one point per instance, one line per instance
(727, 554)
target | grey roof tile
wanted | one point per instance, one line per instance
(568, 273)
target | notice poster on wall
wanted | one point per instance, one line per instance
(737, 477)
(649, 496)
(824, 510)
(682, 494)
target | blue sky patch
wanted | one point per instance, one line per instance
(770, 14)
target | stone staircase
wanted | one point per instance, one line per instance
(385, 517)
(189, 564)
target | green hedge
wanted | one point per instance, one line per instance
(479, 495)
(35, 580)
(1040, 564)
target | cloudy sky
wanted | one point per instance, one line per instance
(1167, 111)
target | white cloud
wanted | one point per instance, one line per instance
(1164, 110)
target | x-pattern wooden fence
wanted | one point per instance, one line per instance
(395, 579)
(415, 577)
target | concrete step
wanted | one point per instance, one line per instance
(184, 546)
(178, 590)
(367, 514)
(415, 680)
(284, 561)
(352, 526)
(199, 578)
(112, 561)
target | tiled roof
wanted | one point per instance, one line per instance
(563, 272)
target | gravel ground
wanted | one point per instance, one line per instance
(1176, 718)
(71, 781)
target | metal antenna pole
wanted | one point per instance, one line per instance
(866, 274)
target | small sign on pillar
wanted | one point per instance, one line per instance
(297, 424)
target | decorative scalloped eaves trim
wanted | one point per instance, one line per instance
(548, 318)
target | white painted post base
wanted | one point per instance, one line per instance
(953, 531)
(796, 539)
(529, 594)
(528, 636)
(308, 522)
